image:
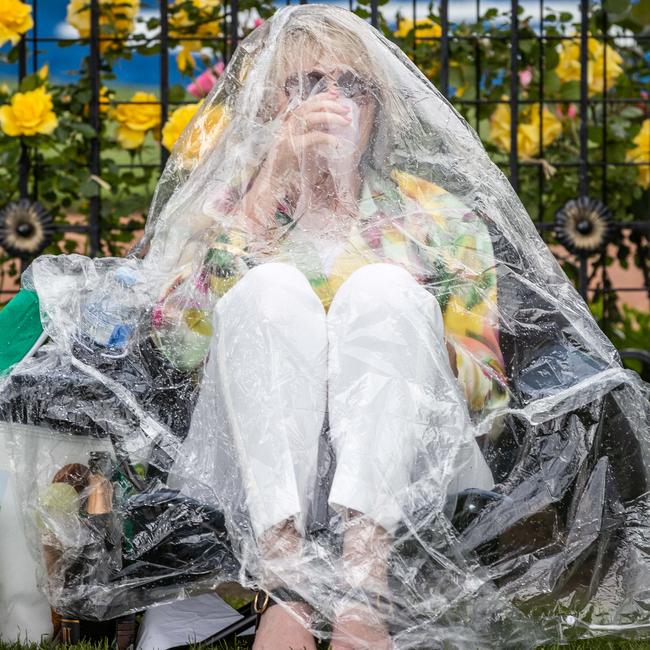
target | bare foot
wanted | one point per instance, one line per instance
(358, 628)
(281, 629)
(359, 625)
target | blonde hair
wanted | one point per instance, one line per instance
(316, 36)
(323, 39)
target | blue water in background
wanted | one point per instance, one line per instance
(144, 71)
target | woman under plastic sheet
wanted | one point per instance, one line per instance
(414, 429)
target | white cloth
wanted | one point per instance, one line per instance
(377, 359)
(24, 610)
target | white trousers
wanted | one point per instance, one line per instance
(377, 361)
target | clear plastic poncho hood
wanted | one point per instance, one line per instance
(342, 367)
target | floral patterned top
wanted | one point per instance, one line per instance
(403, 220)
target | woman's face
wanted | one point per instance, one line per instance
(355, 90)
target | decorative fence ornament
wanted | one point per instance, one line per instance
(584, 225)
(26, 228)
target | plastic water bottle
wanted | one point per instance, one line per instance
(109, 319)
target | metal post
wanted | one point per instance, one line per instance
(584, 94)
(23, 173)
(94, 166)
(540, 171)
(584, 116)
(514, 95)
(234, 25)
(164, 73)
(477, 72)
(35, 69)
(444, 48)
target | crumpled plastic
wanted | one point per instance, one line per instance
(341, 362)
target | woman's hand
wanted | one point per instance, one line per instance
(304, 133)
(293, 159)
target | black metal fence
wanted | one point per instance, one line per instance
(555, 222)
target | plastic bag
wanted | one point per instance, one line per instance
(352, 370)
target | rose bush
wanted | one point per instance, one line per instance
(116, 20)
(603, 64)
(530, 138)
(640, 153)
(51, 121)
(191, 22)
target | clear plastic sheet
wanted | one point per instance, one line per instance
(342, 367)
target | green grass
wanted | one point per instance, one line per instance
(592, 644)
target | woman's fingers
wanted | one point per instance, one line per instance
(325, 102)
(316, 139)
(324, 120)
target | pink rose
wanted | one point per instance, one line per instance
(571, 111)
(204, 83)
(257, 22)
(525, 77)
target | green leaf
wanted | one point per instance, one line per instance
(641, 12)
(89, 188)
(85, 129)
(631, 112)
(570, 90)
(551, 58)
(30, 82)
(176, 93)
(616, 6)
(13, 55)
(551, 83)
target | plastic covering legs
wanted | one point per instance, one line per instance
(341, 365)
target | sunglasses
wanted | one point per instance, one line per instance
(302, 84)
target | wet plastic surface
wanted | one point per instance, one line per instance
(342, 362)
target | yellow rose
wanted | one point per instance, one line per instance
(203, 135)
(15, 20)
(641, 154)
(176, 124)
(424, 28)
(116, 19)
(500, 126)
(203, 22)
(136, 119)
(29, 113)
(184, 59)
(104, 102)
(604, 70)
(568, 68)
(528, 140)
